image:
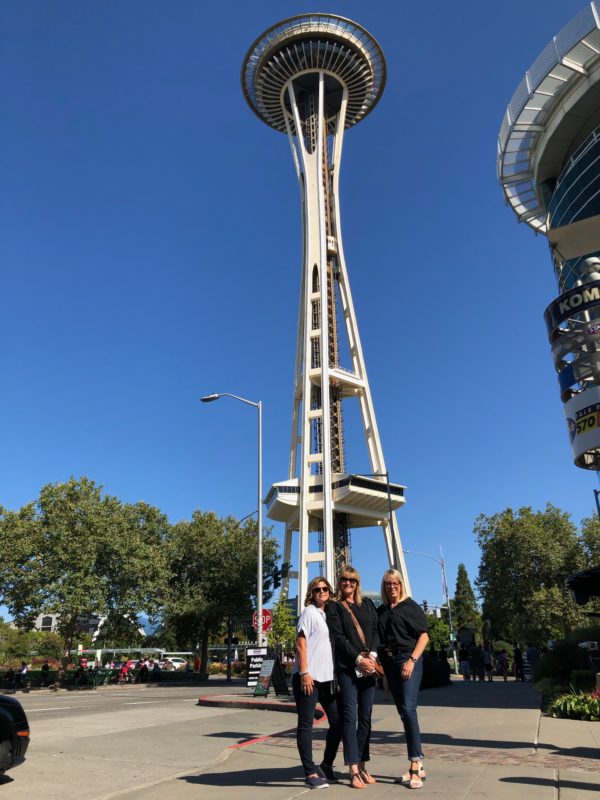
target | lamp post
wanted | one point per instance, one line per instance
(442, 564)
(259, 576)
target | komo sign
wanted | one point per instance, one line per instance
(267, 620)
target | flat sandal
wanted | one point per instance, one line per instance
(366, 777)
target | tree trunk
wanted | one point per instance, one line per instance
(204, 655)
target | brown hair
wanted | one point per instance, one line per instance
(309, 599)
(349, 572)
(387, 575)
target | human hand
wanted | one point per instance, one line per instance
(407, 669)
(367, 665)
(307, 683)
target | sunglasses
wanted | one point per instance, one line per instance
(318, 589)
(347, 580)
(390, 585)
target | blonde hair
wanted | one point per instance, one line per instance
(387, 576)
(349, 572)
(309, 599)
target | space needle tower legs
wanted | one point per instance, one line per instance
(313, 76)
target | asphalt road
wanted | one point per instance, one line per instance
(112, 742)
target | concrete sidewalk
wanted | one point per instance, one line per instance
(481, 740)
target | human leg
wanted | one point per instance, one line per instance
(331, 707)
(405, 694)
(349, 701)
(305, 706)
(366, 696)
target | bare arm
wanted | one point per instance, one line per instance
(408, 666)
(306, 680)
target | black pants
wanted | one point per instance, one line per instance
(305, 705)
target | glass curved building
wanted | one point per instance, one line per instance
(549, 168)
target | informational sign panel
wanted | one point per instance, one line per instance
(583, 422)
(271, 673)
(254, 660)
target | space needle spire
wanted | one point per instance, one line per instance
(313, 76)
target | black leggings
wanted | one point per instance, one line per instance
(305, 705)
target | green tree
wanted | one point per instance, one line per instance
(590, 536)
(439, 633)
(212, 563)
(524, 556)
(77, 552)
(464, 607)
(283, 627)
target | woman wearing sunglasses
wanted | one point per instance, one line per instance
(312, 681)
(404, 637)
(353, 624)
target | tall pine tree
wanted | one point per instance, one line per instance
(464, 606)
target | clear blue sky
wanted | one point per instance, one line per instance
(150, 249)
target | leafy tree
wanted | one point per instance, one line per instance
(77, 552)
(283, 628)
(212, 563)
(439, 633)
(525, 558)
(464, 607)
(590, 535)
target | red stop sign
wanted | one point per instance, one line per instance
(267, 619)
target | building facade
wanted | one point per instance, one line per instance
(549, 168)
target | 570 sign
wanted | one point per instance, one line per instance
(587, 419)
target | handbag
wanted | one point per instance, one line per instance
(365, 651)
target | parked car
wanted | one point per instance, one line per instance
(174, 663)
(14, 733)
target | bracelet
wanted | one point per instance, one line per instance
(413, 659)
(302, 674)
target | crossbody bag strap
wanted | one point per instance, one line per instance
(359, 630)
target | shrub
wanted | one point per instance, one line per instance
(576, 705)
(583, 680)
(558, 663)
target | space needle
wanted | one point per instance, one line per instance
(313, 76)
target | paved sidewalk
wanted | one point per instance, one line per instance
(481, 740)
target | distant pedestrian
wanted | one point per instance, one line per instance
(502, 663)
(45, 679)
(533, 656)
(22, 675)
(463, 657)
(488, 661)
(9, 679)
(518, 662)
(313, 681)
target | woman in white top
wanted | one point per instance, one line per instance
(312, 681)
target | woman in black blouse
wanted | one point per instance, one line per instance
(355, 664)
(403, 635)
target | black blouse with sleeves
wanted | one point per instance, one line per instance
(346, 641)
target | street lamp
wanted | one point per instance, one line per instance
(442, 564)
(209, 398)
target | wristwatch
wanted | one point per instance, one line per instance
(413, 659)
(302, 674)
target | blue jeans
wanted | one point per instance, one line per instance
(305, 705)
(357, 703)
(406, 694)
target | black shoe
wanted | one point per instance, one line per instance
(327, 772)
(315, 783)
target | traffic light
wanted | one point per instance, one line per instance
(285, 569)
(425, 606)
(276, 578)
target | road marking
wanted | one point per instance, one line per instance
(142, 703)
(56, 708)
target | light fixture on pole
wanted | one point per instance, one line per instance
(442, 564)
(209, 398)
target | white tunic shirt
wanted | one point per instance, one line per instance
(319, 657)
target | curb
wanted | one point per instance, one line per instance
(223, 701)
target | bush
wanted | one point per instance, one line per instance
(583, 680)
(576, 705)
(558, 663)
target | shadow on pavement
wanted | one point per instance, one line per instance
(590, 787)
(468, 694)
(272, 776)
(5, 779)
